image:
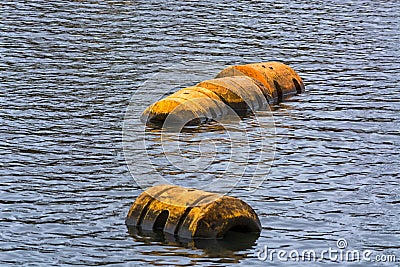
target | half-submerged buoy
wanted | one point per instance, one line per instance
(241, 88)
(190, 213)
(279, 80)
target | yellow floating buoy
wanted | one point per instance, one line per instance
(190, 213)
(241, 93)
(280, 81)
(241, 88)
(188, 105)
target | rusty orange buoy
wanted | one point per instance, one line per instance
(241, 88)
(279, 80)
(190, 213)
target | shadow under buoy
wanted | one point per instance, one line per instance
(233, 242)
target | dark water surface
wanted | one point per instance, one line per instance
(69, 68)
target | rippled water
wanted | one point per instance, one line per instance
(69, 68)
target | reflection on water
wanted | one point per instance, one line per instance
(231, 246)
(69, 68)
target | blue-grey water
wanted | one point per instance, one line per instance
(68, 70)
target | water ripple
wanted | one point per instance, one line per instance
(68, 70)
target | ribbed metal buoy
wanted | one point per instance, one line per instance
(195, 104)
(279, 80)
(240, 89)
(241, 93)
(190, 213)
